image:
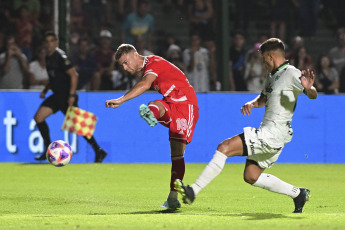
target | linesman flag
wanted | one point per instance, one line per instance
(79, 121)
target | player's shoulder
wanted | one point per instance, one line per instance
(154, 59)
(61, 53)
(292, 70)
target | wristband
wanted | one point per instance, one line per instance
(73, 95)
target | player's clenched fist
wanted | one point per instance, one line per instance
(114, 103)
(246, 109)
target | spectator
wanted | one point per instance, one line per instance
(103, 55)
(2, 42)
(34, 7)
(309, 10)
(201, 20)
(200, 14)
(38, 76)
(140, 45)
(85, 64)
(174, 55)
(301, 60)
(260, 39)
(24, 30)
(297, 43)
(327, 80)
(79, 20)
(337, 55)
(13, 66)
(196, 60)
(254, 71)
(279, 11)
(237, 63)
(121, 8)
(5, 24)
(169, 4)
(138, 23)
(96, 10)
(241, 14)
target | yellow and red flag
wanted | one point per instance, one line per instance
(79, 121)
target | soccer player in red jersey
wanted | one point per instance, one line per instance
(178, 110)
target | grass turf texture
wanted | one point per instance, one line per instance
(128, 196)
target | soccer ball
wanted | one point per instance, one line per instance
(59, 153)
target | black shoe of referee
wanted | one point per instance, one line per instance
(100, 155)
(41, 157)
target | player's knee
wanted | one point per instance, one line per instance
(225, 148)
(250, 179)
(38, 119)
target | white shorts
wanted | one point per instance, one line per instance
(258, 149)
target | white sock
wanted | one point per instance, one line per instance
(274, 184)
(172, 195)
(212, 170)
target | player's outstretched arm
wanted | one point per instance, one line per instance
(142, 86)
(258, 102)
(307, 80)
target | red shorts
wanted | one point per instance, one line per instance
(180, 119)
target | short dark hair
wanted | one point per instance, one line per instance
(50, 33)
(123, 49)
(272, 44)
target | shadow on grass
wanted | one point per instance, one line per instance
(58, 201)
(247, 216)
(155, 212)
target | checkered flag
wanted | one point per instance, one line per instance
(79, 121)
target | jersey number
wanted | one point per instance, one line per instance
(181, 124)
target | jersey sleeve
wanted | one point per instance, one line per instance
(296, 79)
(152, 68)
(65, 62)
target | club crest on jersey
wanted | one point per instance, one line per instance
(277, 77)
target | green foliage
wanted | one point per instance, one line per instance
(128, 196)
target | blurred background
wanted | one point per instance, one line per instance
(213, 41)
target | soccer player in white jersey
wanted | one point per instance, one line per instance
(262, 146)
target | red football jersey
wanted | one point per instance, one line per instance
(170, 81)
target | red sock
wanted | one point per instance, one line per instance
(177, 170)
(155, 110)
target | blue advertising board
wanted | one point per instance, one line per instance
(319, 129)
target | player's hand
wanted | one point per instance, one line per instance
(307, 78)
(246, 109)
(114, 103)
(71, 101)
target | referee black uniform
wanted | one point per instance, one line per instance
(60, 74)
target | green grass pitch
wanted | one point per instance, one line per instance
(128, 196)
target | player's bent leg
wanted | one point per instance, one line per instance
(42, 113)
(232, 146)
(254, 175)
(252, 172)
(157, 108)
